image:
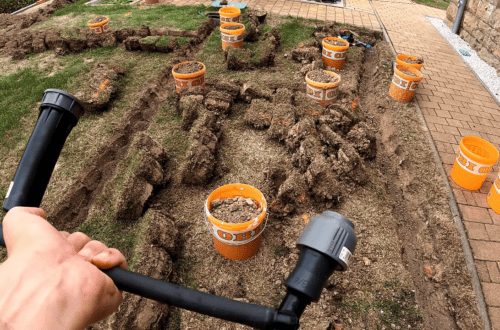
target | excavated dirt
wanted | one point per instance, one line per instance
(365, 156)
(19, 43)
(334, 42)
(322, 77)
(412, 61)
(190, 67)
(235, 210)
(102, 88)
(408, 73)
(97, 20)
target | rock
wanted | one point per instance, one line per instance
(367, 261)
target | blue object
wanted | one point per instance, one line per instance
(464, 52)
(232, 4)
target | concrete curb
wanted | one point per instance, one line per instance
(469, 259)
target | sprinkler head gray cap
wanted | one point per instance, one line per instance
(331, 234)
(64, 101)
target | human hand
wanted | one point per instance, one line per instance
(51, 279)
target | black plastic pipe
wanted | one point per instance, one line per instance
(59, 113)
(249, 314)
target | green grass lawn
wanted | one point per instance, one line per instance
(441, 4)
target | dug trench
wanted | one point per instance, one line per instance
(365, 157)
(73, 209)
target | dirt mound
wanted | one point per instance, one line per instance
(262, 56)
(205, 135)
(73, 208)
(19, 43)
(163, 233)
(102, 88)
(136, 312)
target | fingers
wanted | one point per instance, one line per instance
(91, 249)
(64, 234)
(26, 228)
(78, 240)
(109, 259)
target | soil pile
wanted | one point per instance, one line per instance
(235, 210)
(262, 56)
(102, 88)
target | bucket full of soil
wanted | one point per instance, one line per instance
(236, 215)
(474, 161)
(411, 61)
(229, 15)
(232, 35)
(99, 25)
(189, 75)
(322, 86)
(335, 52)
(404, 83)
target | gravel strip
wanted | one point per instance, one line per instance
(486, 73)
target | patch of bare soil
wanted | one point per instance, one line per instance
(367, 160)
(365, 156)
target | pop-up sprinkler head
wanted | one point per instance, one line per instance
(326, 245)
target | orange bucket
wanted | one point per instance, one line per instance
(334, 56)
(474, 161)
(99, 28)
(400, 59)
(323, 93)
(232, 38)
(189, 80)
(229, 15)
(493, 197)
(403, 86)
(237, 241)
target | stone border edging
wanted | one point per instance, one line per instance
(455, 213)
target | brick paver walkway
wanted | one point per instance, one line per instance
(454, 104)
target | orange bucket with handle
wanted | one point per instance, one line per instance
(323, 93)
(229, 15)
(403, 85)
(493, 197)
(237, 241)
(401, 59)
(99, 28)
(232, 38)
(189, 80)
(474, 161)
(334, 56)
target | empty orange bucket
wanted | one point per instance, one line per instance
(400, 59)
(403, 86)
(232, 38)
(334, 56)
(474, 161)
(188, 80)
(229, 15)
(237, 241)
(493, 197)
(323, 93)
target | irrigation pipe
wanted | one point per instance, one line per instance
(455, 213)
(25, 8)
